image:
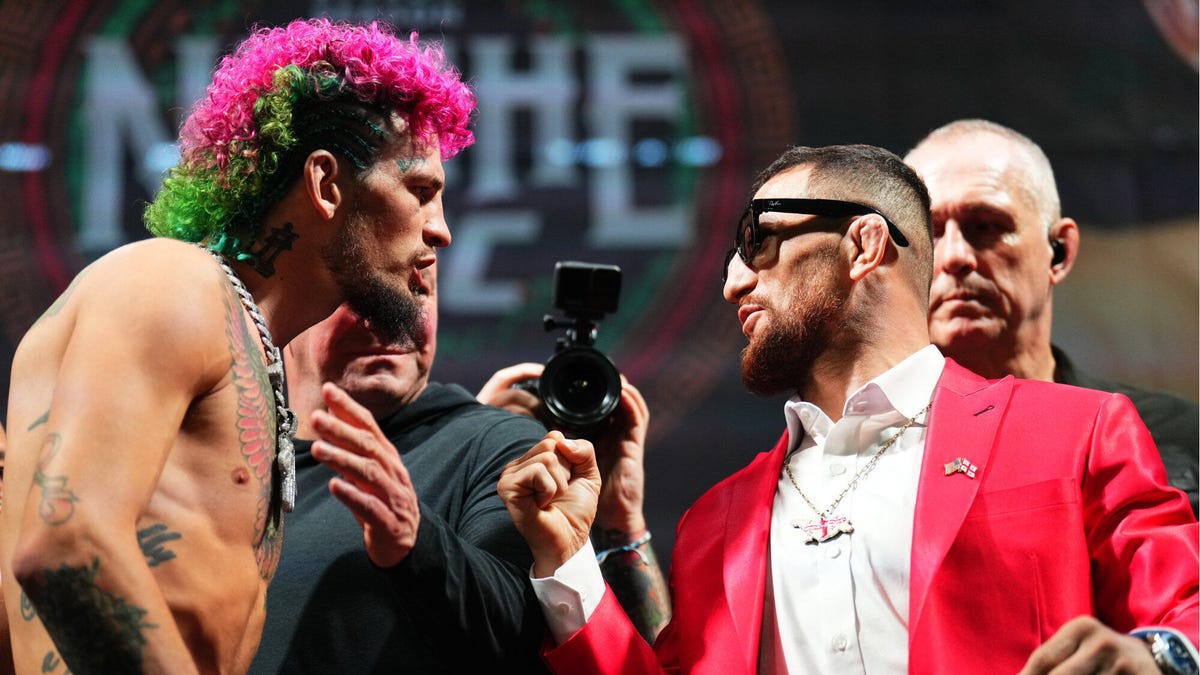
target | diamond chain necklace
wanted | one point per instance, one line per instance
(826, 527)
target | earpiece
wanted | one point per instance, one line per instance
(1058, 252)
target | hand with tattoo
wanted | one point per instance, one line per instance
(372, 480)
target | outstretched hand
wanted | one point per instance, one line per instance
(551, 494)
(372, 480)
(1084, 645)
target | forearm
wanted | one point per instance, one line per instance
(631, 569)
(101, 606)
(477, 607)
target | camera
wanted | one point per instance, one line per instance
(580, 387)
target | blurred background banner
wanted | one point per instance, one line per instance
(628, 132)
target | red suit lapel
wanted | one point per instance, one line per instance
(963, 423)
(746, 534)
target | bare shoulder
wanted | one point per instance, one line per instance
(161, 302)
(152, 270)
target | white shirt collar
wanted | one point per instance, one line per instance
(906, 388)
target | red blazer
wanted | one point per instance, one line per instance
(1068, 514)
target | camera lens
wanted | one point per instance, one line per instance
(580, 387)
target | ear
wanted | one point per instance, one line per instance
(320, 176)
(1066, 232)
(869, 236)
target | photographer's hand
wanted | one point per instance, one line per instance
(630, 567)
(498, 390)
(551, 492)
(620, 452)
(372, 480)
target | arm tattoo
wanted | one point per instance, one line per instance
(50, 662)
(39, 421)
(95, 631)
(56, 306)
(58, 503)
(27, 611)
(638, 582)
(152, 540)
(256, 432)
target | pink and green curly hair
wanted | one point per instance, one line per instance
(313, 84)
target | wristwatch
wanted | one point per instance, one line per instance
(1172, 653)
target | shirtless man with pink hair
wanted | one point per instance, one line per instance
(150, 452)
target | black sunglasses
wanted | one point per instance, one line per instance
(749, 237)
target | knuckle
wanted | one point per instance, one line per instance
(372, 473)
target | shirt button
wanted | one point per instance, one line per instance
(832, 551)
(563, 608)
(840, 643)
(837, 469)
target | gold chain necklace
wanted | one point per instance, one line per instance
(825, 527)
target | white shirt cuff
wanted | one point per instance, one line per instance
(570, 597)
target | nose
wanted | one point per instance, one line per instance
(739, 280)
(436, 232)
(952, 253)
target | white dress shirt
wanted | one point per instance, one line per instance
(821, 599)
(841, 606)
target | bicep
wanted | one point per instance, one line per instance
(123, 385)
(485, 522)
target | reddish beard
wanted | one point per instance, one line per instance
(780, 357)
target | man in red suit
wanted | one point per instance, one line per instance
(913, 517)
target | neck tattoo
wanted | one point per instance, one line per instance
(285, 419)
(280, 240)
(827, 526)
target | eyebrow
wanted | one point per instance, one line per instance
(974, 209)
(426, 175)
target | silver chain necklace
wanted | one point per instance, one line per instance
(825, 526)
(285, 419)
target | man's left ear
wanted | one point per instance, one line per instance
(320, 177)
(1064, 246)
(869, 235)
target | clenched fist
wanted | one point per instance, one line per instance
(551, 493)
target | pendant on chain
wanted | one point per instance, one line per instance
(820, 530)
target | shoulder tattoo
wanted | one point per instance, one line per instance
(56, 306)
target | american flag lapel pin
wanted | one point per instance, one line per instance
(961, 465)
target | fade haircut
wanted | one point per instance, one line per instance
(872, 176)
(1038, 187)
(287, 91)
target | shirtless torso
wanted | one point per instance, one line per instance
(141, 510)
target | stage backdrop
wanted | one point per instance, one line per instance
(627, 132)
